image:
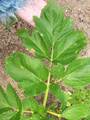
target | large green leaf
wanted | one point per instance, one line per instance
(9, 104)
(29, 72)
(67, 41)
(78, 73)
(77, 112)
(54, 31)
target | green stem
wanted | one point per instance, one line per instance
(47, 90)
(31, 112)
(49, 112)
(54, 114)
(48, 81)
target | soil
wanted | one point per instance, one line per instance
(79, 10)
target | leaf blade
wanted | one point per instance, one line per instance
(78, 73)
(78, 112)
(25, 70)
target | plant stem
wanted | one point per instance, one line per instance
(47, 90)
(54, 114)
(49, 112)
(48, 81)
(31, 112)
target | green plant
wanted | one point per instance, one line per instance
(57, 46)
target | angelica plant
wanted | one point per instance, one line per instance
(54, 40)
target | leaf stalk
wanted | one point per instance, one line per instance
(54, 114)
(49, 112)
(49, 78)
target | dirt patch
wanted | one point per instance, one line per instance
(79, 10)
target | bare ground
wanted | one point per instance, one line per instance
(79, 10)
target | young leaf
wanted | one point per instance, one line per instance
(78, 73)
(27, 70)
(77, 112)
